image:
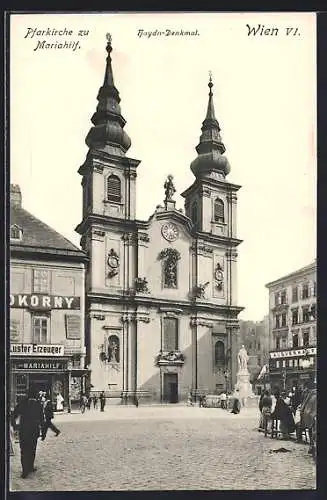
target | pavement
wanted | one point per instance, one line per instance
(163, 448)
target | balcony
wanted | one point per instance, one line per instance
(165, 358)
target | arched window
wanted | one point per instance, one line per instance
(219, 353)
(194, 213)
(113, 188)
(113, 349)
(219, 210)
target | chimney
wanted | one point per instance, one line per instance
(15, 195)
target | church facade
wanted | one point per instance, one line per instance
(161, 303)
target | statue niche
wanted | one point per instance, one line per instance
(113, 355)
(170, 257)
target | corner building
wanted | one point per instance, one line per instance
(293, 328)
(161, 313)
(47, 282)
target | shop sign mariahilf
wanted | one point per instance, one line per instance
(36, 349)
(40, 365)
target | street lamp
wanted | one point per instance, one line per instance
(69, 367)
(226, 375)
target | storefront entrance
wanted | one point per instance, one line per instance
(170, 394)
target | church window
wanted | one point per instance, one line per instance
(113, 189)
(170, 334)
(219, 353)
(194, 214)
(219, 210)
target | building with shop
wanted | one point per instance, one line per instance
(47, 282)
(292, 328)
(162, 313)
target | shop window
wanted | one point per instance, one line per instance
(290, 363)
(170, 334)
(295, 295)
(284, 363)
(296, 362)
(219, 353)
(277, 364)
(40, 281)
(40, 325)
(219, 210)
(114, 189)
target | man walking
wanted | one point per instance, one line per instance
(31, 423)
(48, 416)
(102, 401)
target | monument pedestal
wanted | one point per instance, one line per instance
(243, 386)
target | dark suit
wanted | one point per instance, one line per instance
(48, 415)
(31, 422)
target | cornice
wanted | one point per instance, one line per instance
(202, 184)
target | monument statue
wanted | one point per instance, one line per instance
(169, 188)
(242, 359)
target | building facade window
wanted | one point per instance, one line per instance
(40, 280)
(113, 189)
(277, 343)
(295, 294)
(305, 291)
(219, 353)
(15, 332)
(277, 298)
(16, 233)
(306, 316)
(295, 316)
(284, 342)
(284, 318)
(170, 334)
(40, 326)
(295, 340)
(306, 337)
(219, 215)
(277, 321)
(283, 297)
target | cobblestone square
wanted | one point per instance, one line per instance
(163, 448)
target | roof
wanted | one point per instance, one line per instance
(302, 270)
(37, 234)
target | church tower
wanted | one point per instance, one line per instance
(211, 201)
(109, 192)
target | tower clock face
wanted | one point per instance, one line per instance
(169, 231)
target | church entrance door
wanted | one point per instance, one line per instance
(171, 387)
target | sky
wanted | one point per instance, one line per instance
(265, 102)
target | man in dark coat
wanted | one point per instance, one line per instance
(30, 412)
(48, 416)
(102, 401)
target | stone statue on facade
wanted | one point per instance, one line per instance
(169, 188)
(242, 358)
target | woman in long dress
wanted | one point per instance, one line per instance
(59, 402)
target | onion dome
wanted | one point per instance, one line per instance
(210, 148)
(108, 133)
